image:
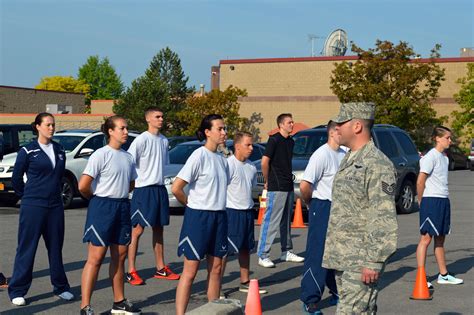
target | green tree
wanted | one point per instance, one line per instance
(163, 85)
(144, 92)
(104, 82)
(224, 103)
(402, 88)
(166, 65)
(463, 123)
(63, 84)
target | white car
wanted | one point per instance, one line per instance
(79, 145)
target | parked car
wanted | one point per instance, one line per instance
(174, 141)
(457, 158)
(13, 137)
(79, 145)
(180, 154)
(471, 155)
(394, 142)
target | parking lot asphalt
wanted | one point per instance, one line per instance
(282, 282)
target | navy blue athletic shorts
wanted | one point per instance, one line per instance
(204, 232)
(240, 231)
(108, 221)
(435, 216)
(150, 206)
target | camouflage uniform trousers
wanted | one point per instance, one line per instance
(355, 297)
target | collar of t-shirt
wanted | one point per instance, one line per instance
(49, 150)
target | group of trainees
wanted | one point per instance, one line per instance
(219, 198)
(218, 220)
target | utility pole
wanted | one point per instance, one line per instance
(312, 37)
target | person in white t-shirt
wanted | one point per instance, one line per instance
(435, 208)
(204, 230)
(239, 206)
(107, 180)
(149, 205)
(316, 190)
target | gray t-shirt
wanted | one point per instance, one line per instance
(112, 170)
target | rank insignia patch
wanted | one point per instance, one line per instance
(389, 189)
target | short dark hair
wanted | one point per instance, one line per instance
(439, 131)
(282, 117)
(367, 123)
(109, 123)
(331, 126)
(239, 135)
(152, 109)
(206, 123)
(39, 120)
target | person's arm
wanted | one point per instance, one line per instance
(265, 170)
(381, 221)
(420, 185)
(178, 190)
(19, 169)
(85, 186)
(306, 190)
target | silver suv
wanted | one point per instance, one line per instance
(394, 142)
(79, 145)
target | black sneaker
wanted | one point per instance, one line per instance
(125, 307)
(87, 310)
(3, 281)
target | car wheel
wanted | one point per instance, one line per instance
(468, 164)
(67, 192)
(406, 201)
(10, 201)
(451, 165)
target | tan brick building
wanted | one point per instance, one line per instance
(301, 86)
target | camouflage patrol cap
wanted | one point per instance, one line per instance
(360, 110)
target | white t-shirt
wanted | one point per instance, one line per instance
(243, 176)
(150, 154)
(207, 174)
(49, 150)
(435, 164)
(321, 169)
(112, 170)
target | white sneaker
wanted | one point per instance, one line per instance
(291, 257)
(449, 279)
(266, 262)
(19, 301)
(430, 286)
(67, 296)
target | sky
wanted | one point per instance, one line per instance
(45, 38)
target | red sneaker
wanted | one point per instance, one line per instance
(166, 273)
(133, 278)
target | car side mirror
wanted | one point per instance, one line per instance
(85, 152)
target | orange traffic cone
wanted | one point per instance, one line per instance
(253, 305)
(420, 291)
(263, 206)
(298, 218)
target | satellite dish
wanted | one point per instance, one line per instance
(336, 43)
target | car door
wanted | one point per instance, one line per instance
(386, 143)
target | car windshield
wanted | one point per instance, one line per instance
(180, 153)
(69, 143)
(307, 143)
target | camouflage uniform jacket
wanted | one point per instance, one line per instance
(362, 229)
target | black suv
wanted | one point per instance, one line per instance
(394, 142)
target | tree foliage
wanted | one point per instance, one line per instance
(402, 87)
(224, 103)
(63, 84)
(104, 82)
(163, 85)
(144, 92)
(463, 123)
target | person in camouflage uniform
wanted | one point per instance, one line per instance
(362, 231)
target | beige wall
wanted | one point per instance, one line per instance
(102, 106)
(63, 121)
(301, 86)
(25, 100)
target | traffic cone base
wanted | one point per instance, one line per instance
(298, 218)
(420, 291)
(253, 305)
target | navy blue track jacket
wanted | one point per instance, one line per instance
(43, 186)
